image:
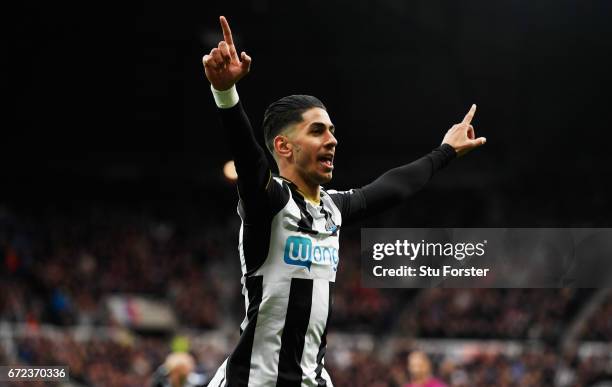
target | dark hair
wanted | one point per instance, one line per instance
(286, 111)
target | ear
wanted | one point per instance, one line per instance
(282, 146)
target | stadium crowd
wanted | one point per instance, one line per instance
(130, 361)
(599, 327)
(494, 313)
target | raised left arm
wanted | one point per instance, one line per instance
(398, 184)
(461, 136)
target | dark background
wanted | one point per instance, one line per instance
(108, 102)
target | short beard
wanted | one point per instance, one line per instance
(323, 180)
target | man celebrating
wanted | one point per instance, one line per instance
(288, 240)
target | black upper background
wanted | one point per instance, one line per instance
(109, 101)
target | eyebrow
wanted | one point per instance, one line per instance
(322, 125)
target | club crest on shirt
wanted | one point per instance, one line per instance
(330, 225)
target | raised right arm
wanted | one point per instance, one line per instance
(224, 69)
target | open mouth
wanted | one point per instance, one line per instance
(327, 161)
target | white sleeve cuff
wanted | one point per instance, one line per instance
(225, 99)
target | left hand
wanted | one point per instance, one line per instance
(461, 136)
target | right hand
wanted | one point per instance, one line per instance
(222, 66)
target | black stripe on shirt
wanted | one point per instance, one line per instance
(239, 363)
(322, 347)
(294, 333)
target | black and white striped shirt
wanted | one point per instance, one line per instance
(289, 254)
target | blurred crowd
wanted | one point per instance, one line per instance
(131, 361)
(599, 326)
(494, 313)
(59, 267)
(97, 362)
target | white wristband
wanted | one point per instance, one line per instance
(225, 99)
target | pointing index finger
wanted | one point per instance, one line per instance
(470, 115)
(227, 33)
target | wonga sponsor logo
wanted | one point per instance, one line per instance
(300, 251)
